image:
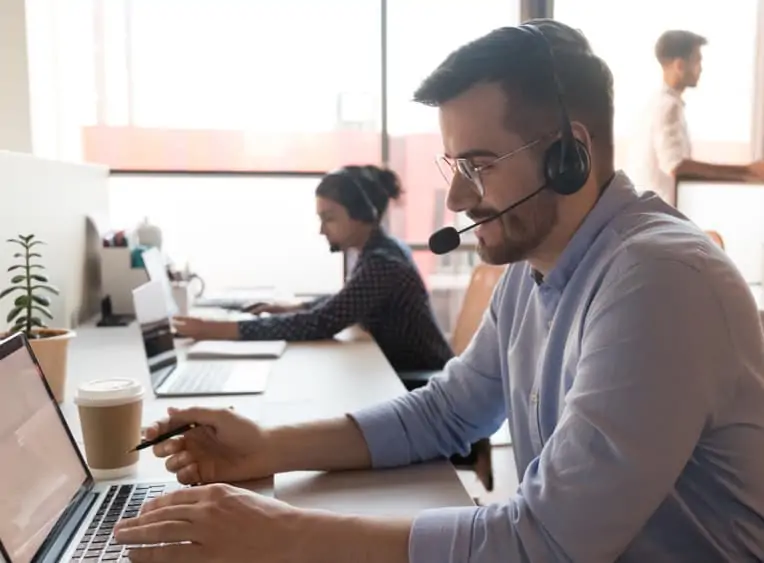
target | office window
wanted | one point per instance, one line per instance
(232, 85)
(421, 33)
(235, 231)
(720, 109)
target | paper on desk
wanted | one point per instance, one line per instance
(220, 349)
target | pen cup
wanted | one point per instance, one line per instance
(110, 414)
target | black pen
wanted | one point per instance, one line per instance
(162, 437)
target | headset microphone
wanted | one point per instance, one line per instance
(448, 239)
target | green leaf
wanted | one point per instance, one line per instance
(19, 255)
(43, 310)
(39, 299)
(9, 290)
(39, 277)
(16, 241)
(18, 278)
(16, 267)
(35, 255)
(23, 301)
(34, 243)
(50, 288)
(22, 321)
(15, 312)
(26, 238)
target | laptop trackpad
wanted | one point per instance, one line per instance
(249, 377)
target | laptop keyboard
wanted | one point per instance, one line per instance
(121, 501)
(201, 377)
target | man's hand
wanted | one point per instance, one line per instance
(205, 329)
(225, 447)
(756, 171)
(227, 524)
(217, 522)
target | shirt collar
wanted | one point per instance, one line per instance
(669, 91)
(376, 239)
(617, 195)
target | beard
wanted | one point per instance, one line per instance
(523, 232)
(334, 247)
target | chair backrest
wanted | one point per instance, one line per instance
(717, 238)
(476, 300)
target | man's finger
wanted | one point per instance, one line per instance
(185, 553)
(170, 447)
(179, 497)
(180, 513)
(177, 462)
(155, 533)
(189, 475)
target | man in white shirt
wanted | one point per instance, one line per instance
(663, 151)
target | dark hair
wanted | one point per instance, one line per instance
(515, 60)
(348, 186)
(677, 44)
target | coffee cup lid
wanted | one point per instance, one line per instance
(109, 391)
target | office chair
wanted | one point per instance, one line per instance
(476, 299)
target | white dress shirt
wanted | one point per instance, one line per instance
(661, 143)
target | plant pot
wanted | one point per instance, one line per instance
(51, 351)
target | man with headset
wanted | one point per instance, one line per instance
(622, 345)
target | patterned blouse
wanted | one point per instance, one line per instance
(385, 295)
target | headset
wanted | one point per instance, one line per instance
(567, 162)
(369, 214)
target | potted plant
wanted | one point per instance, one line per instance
(30, 312)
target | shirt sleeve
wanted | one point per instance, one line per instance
(649, 379)
(456, 408)
(670, 137)
(368, 288)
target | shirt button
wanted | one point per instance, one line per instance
(534, 398)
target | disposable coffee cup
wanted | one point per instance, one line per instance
(110, 416)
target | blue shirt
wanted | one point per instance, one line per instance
(632, 377)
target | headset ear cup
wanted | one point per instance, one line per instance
(566, 178)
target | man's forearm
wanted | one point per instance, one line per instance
(708, 171)
(324, 445)
(324, 537)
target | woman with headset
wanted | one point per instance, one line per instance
(384, 293)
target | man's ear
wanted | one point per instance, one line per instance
(581, 133)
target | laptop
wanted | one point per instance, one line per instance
(51, 509)
(156, 270)
(171, 374)
(238, 300)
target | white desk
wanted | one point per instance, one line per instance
(311, 380)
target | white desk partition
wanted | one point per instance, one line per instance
(733, 209)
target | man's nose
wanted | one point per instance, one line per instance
(462, 194)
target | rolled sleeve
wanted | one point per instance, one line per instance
(464, 404)
(442, 535)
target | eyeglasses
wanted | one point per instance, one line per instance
(464, 166)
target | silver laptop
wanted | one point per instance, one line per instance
(51, 509)
(171, 374)
(156, 270)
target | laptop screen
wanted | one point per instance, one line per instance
(41, 470)
(153, 263)
(156, 330)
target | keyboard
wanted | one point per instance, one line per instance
(121, 501)
(201, 377)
